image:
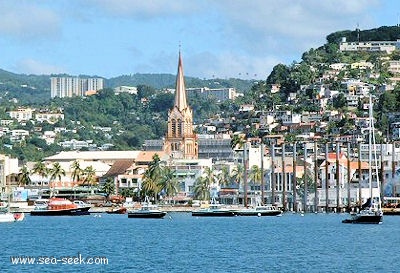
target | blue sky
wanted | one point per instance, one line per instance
(221, 39)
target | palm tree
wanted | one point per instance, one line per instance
(223, 177)
(201, 189)
(155, 168)
(56, 172)
(210, 176)
(77, 172)
(169, 182)
(40, 169)
(255, 174)
(108, 187)
(152, 177)
(238, 173)
(150, 186)
(89, 176)
(23, 176)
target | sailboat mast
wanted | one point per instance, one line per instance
(370, 147)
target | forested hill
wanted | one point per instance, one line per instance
(385, 33)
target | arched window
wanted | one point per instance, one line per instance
(173, 127)
(179, 128)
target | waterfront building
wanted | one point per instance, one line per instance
(180, 141)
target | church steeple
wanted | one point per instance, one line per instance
(180, 91)
(181, 141)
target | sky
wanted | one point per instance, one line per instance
(217, 38)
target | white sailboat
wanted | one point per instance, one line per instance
(371, 212)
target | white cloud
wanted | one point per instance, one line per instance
(291, 23)
(25, 20)
(30, 66)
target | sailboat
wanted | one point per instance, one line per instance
(371, 211)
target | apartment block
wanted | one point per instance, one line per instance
(74, 86)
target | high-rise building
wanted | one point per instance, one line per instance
(70, 86)
(180, 141)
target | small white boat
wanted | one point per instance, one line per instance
(147, 210)
(258, 209)
(267, 210)
(214, 210)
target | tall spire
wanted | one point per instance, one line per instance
(180, 91)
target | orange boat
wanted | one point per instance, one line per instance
(58, 207)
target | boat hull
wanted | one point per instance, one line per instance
(257, 213)
(364, 219)
(213, 213)
(158, 215)
(61, 212)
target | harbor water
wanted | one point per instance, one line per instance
(182, 243)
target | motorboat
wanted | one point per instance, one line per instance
(147, 210)
(266, 210)
(214, 210)
(58, 207)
